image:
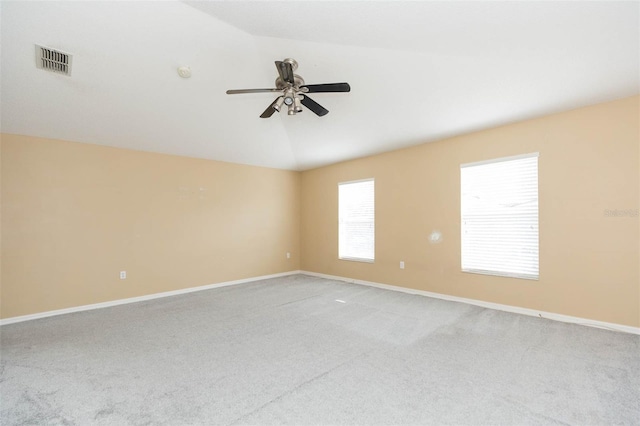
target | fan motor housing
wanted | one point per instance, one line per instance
(298, 81)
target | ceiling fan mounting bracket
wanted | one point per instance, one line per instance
(292, 62)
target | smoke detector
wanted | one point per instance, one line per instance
(53, 60)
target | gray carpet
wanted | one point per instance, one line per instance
(289, 351)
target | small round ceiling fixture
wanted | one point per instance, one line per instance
(184, 72)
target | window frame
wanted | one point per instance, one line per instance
(340, 223)
(493, 270)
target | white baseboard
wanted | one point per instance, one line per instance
(139, 298)
(490, 305)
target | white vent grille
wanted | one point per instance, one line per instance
(53, 60)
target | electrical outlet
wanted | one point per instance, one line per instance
(123, 275)
(402, 264)
(288, 255)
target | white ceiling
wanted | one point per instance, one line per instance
(419, 71)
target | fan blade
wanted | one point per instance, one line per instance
(318, 109)
(238, 91)
(324, 88)
(286, 71)
(270, 110)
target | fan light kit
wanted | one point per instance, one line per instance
(294, 91)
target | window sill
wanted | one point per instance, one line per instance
(356, 259)
(502, 274)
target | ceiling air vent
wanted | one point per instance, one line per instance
(53, 60)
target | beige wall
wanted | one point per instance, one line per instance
(74, 215)
(589, 263)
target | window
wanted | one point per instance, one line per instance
(356, 220)
(499, 217)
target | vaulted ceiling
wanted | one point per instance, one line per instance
(419, 72)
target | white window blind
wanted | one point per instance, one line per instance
(499, 217)
(356, 220)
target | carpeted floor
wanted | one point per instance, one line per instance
(303, 350)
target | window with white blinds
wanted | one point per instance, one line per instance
(499, 217)
(356, 220)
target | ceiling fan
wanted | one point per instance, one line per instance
(294, 91)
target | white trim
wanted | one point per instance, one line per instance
(357, 181)
(500, 160)
(501, 274)
(357, 259)
(39, 315)
(365, 216)
(490, 305)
